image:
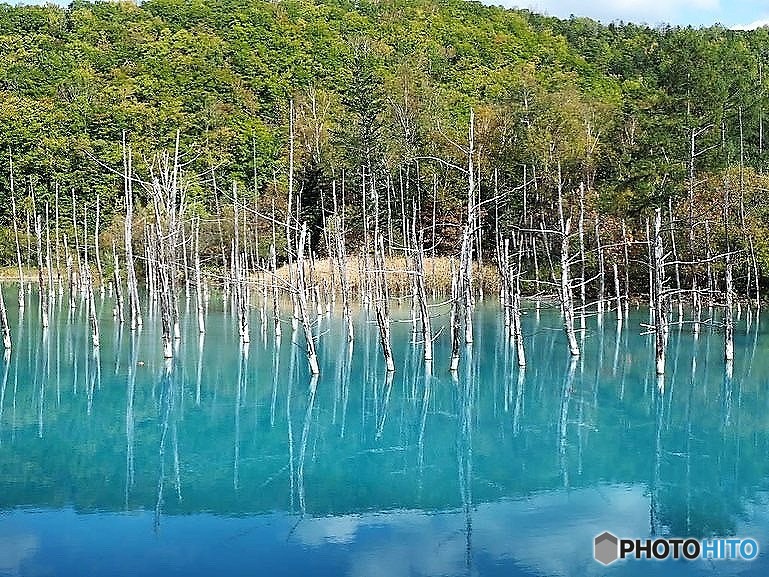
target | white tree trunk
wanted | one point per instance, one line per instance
(4, 326)
(659, 299)
(301, 300)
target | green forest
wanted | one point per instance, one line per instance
(300, 97)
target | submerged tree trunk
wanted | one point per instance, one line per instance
(601, 273)
(729, 288)
(239, 281)
(381, 303)
(92, 315)
(168, 198)
(43, 289)
(341, 259)
(659, 300)
(679, 294)
(466, 255)
(71, 280)
(289, 214)
(466, 284)
(133, 285)
(754, 261)
(625, 244)
(4, 326)
(16, 236)
(583, 260)
(729, 312)
(199, 282)
(275, 303)
(48, 261)
(709, 267)
(456, 317)
(166, 309)
(617, 290)
(301, 300)
(566, 295)
(516, 312)
(119, 314)
(567, 299)
(421, 294)
(650, 250)
(96, 247)
(56, 240)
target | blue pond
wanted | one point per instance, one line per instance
(233, 461)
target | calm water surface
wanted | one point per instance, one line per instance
(232, 461)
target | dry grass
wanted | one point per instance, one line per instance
(438, 273)
(11, 273)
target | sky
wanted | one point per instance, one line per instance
(730, 13)
(739, 14)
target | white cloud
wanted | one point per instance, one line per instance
(429, 544)
(14, 550)
(626, 10)
(753, 25)
(321, 530)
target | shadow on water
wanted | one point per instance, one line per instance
(596, 442)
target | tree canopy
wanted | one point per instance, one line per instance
(376, 86)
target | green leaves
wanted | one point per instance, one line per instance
(377, 84)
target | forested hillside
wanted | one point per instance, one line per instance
(616, 120)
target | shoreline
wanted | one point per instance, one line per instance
(438, 278)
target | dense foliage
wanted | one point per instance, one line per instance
(382, 89)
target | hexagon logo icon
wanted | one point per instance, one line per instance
(606, 548)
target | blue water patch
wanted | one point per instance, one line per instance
(231, 460)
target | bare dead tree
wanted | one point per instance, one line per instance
(16, 236)
(132, 283)
(341, 262)
(421, 294)
(659, 296)
(729, 284)
(239, 280)
(515, 287)
(167, 191)
(566, 294)
(119, 313)
(92, 312)
(43, 288)
(457, 311)
(199, 298)
(466, 252)
(301, 300)
(625, 245)
(381, 303)
(96, 248)
(4, 326)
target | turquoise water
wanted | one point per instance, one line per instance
(232, 461)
